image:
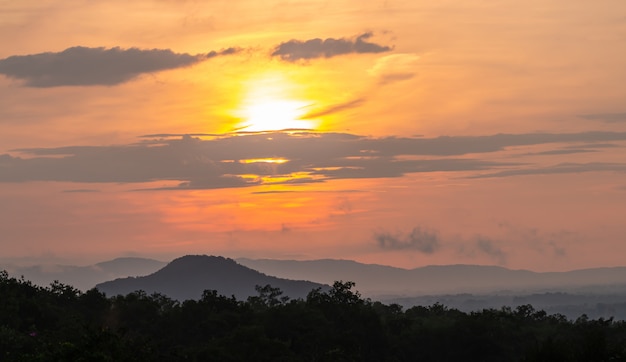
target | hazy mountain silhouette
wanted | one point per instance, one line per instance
(376, 280)
(85, 277)
(372, 280)
(187, 277)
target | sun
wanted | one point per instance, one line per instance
(275, 115)
(269, 105)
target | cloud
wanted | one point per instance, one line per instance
(241, 160)
(541, 241)
(335, 108)
(594, 145)
(83, 66)
(559, 169)
(81, 191)
(295, 50)
(395, 67)
(566, 151)
(606, 117)
(449, 146)
(227, 51)
(217, 182)
(487, 246)
(421, 240)
(480, 245)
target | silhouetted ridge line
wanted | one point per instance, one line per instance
(375, 280)
(188, 276)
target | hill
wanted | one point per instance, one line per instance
(187, 277)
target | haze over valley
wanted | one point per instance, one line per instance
(594, 292)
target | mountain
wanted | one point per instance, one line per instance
(375, 281)
(187, 277)
(85, 277)
(378, 280)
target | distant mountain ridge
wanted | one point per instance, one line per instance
(376, 280)
(189, 276)
(85, 277)
(371, 279)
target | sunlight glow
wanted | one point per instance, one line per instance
(269, 105)
(274, 115)
(264, 160)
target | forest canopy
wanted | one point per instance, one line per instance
(60, 322)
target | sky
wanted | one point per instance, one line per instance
(404, 133)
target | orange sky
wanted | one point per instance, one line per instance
(490, 132)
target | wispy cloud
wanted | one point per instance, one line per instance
(551, 242)
(606, 117)
(428, 241)
(559, 169)
(395, 67)
(295, 50)
(83, 66)
(418, 239)
(567, 151)
(488, 246)
(335, 108)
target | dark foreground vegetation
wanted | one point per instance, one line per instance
(59, 323)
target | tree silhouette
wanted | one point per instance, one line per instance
(61, 323)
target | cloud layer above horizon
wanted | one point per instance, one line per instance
(292, 158)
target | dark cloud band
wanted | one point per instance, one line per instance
(305, 157)
(295, 50)
(82, 66)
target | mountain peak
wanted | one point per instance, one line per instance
(199, 263)
(201, 258)
(188, 276)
